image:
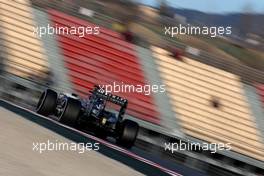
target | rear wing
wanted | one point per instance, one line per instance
(101, 93)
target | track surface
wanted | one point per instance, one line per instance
(18, 158)
(19, 128)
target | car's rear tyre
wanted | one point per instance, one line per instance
(100, 133)
(128, 131)
(47, 102)
(71, 112)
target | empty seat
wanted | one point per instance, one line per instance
(210, 103)
(103, 59)
(22, 49)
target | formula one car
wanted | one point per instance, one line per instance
(91, 112)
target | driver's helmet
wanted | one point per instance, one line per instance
(98, 106)
(99, 102)
(112, 118)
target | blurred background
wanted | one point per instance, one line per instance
(214, 86)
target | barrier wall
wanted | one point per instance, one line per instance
(103, 59)
(196, 89)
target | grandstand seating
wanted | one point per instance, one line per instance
(103, 59)
(22, 49)
(192, 86)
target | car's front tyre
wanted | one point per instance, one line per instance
(70, 111)
(47, 102)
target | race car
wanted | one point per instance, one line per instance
(91, 112)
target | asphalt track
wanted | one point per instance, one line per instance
(19, 128)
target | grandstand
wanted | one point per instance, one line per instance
(193, 86)
(23, 51)
(103, 59)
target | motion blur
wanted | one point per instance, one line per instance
(190, 77)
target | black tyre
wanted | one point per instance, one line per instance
(70, 112)
(47, 102)
(100, 133)
(128, 131)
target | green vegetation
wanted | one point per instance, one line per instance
(248, 57)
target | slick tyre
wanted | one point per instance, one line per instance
(47, 102)
(70, 112)
(100, 134)
(128, 131)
